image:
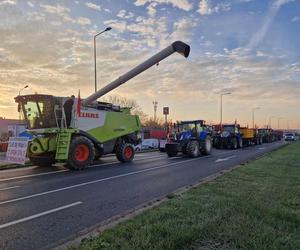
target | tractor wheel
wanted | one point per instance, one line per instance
(234, 143)
(125, 152)
(42, 161)
(193, 149)
(217, 143)
(172, 153)
(206, 146)
(81, 153)
(240, 143)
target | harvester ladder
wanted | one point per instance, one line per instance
(63, 143)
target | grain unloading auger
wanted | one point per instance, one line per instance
(79, 131)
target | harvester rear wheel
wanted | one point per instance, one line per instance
(81, 153)
(193, 149)
(125, 152)
(206, 146)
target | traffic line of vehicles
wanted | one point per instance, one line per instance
(195, 138)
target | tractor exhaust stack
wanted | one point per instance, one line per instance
(177, 46)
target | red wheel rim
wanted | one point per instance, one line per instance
(82, 152)
(128, 152)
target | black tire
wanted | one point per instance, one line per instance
(217, 143)
(206, 146)
(125, 152)
(42, 161)
(172, 153)
(162, 150)
(234, 143)
(81, 153)
(193, 149)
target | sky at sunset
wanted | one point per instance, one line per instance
(248, 47)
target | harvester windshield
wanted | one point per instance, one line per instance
(38, 110)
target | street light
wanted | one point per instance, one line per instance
(221, 106)
(278, 122)
(270, 120)
(253, 115)
(25, 87)
(95, 54)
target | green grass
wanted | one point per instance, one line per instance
(256, 206)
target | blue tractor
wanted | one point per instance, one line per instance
(192, 138)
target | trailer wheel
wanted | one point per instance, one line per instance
(42, 161)
(81, 153)
(206, 146)
(125, 152)
(193, 149)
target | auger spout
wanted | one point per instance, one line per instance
(177, 46)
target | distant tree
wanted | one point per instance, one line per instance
(129, 103)
(151, 123)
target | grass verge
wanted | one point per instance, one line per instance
(256, 206)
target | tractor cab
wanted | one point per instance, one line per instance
(41, 111)
(229, 129)
(187, 129)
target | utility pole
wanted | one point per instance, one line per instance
(270, 121)
(278, 122)
(155, 109)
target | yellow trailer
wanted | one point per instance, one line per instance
(250, 136)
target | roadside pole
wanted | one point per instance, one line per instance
(166, 112)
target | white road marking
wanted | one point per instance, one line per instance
(261, 148)
(96, 181)
(39, 215)
(225, 159)
(2, 189)
(33, 175)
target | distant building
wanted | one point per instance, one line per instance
(4, 123)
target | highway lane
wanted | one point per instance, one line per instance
(42, 211)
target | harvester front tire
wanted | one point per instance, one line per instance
(206, 146)
(81, 153)
(193, 149)
(125, 152)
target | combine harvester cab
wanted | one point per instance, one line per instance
(89, 129)
(229, 137)
(192, 138)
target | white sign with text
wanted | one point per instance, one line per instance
(16, 150)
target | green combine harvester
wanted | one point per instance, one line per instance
(87, 129)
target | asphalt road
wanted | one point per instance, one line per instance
(43, 208)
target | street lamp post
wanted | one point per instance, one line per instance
(253, 123)
(95, 54)
(25, 87)
(270, 121)
(221, 106)
(278, 122)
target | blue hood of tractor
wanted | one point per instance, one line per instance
(188, 134)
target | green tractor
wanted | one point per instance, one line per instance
(77, 132)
